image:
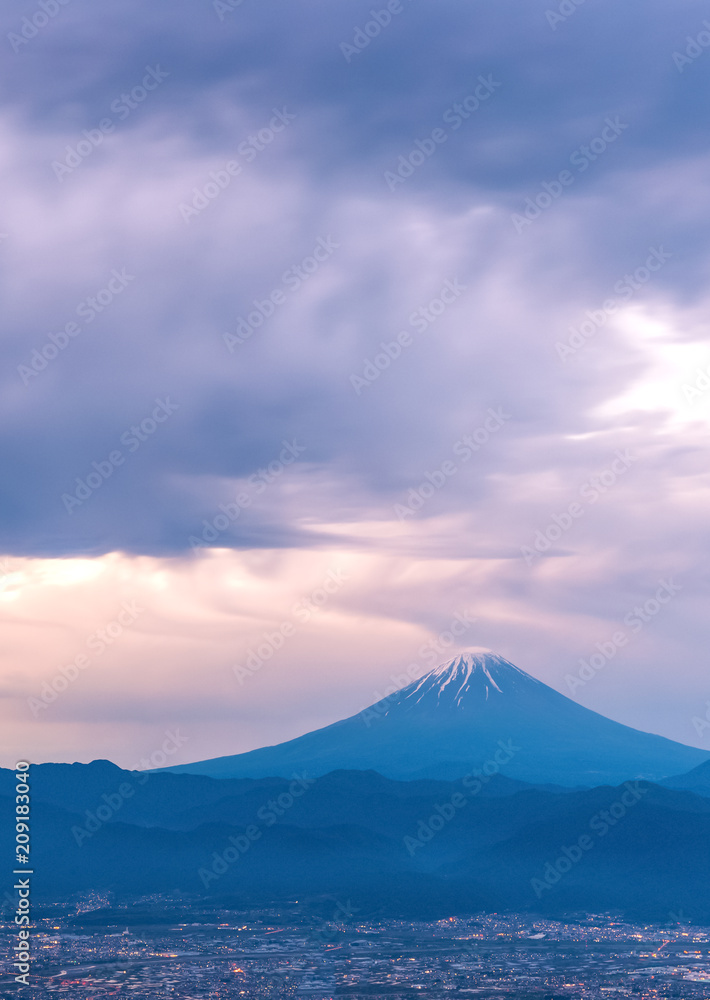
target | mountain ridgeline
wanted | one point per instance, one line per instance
(412, 849)
(454, 720)
(474, 788)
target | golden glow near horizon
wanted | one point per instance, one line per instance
(150, 644)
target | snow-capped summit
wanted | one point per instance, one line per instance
(476, 673)
(458, 674)
(475, 711)
(463, 666)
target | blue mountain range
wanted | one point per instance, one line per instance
(464, 715)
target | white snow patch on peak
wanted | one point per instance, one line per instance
(475, 659)
(474, 669)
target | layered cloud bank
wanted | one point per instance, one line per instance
(421, 293)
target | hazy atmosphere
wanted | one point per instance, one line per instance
(329, 352)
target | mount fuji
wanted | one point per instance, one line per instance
(477, 712)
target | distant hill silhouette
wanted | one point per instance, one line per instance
(454, 719)
(413, 849)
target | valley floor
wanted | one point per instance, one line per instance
(161, 949)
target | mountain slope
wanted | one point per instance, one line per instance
(477, 711)
(398, 848)
(696, 781)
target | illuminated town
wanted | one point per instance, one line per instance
(157, 947)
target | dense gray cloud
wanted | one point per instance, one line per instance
(350, 226)
(322, 177)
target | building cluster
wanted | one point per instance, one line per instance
(164, 948)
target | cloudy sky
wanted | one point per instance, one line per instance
(323, 330)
